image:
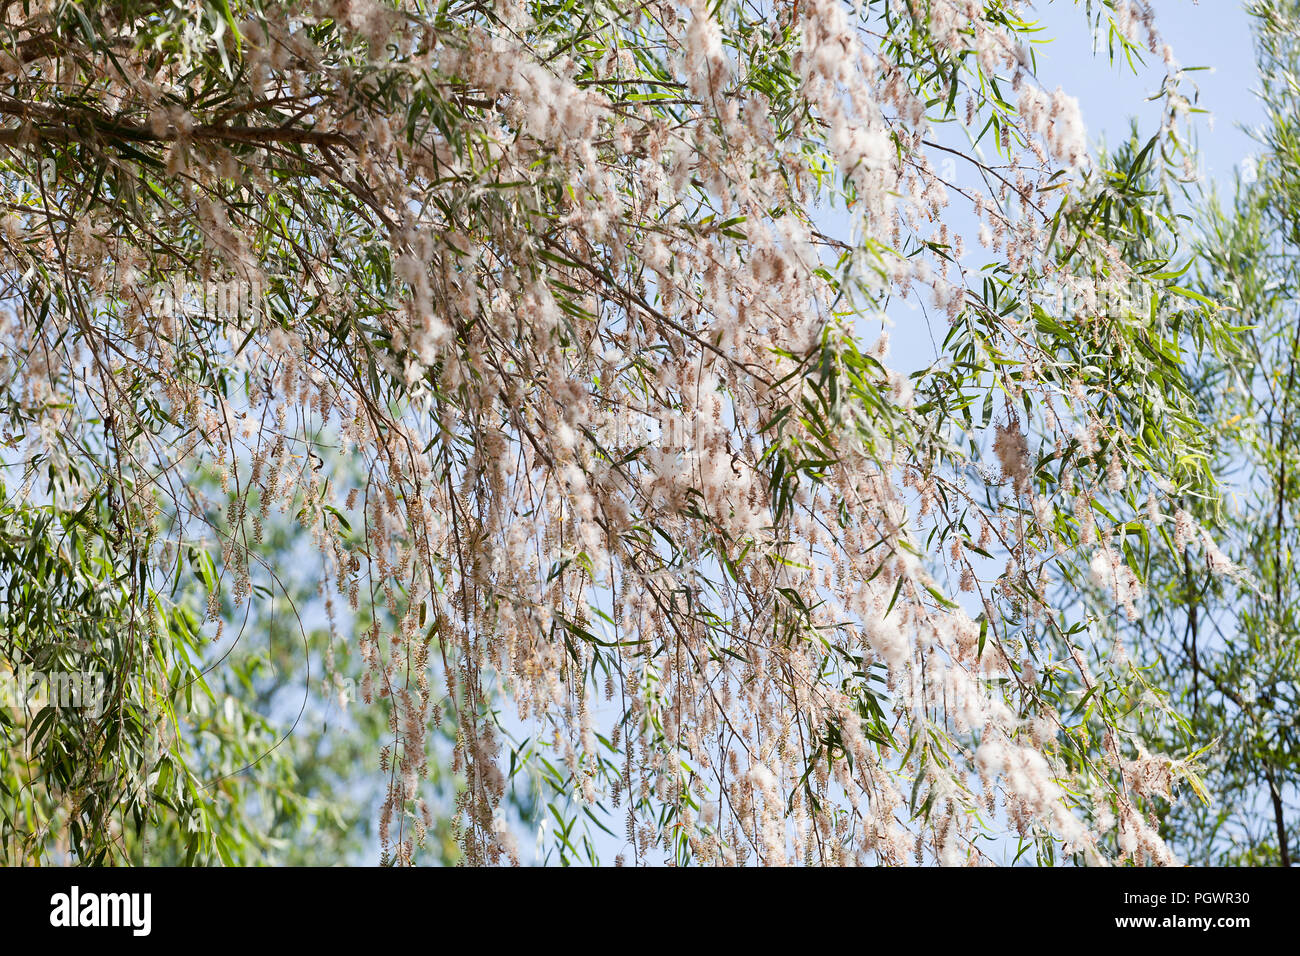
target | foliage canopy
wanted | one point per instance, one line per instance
(531, 317)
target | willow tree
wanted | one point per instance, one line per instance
(646, 521)
(1225, 646)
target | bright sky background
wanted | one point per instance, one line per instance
(1211, 33)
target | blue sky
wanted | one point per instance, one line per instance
(1212, 33)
